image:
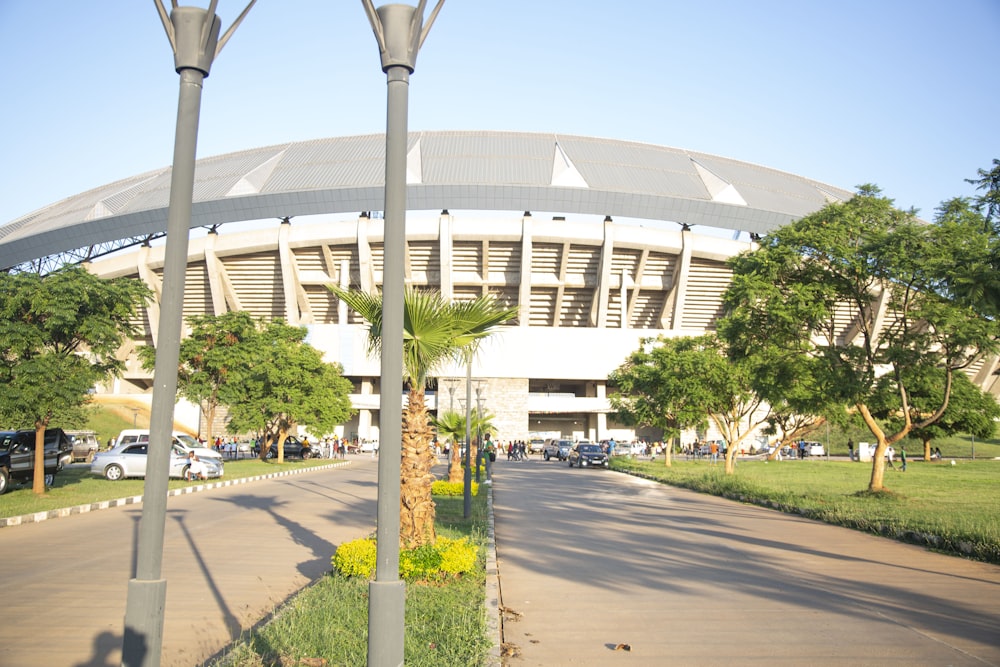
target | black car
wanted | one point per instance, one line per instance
(17, 456)
(587, 455)
(293, 448)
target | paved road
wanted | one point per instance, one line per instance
(590, 559)
(231, 556)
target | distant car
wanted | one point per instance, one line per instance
(557, 449)
(815, 449)
(587, 455)
(17, 456)
(293, 447)
(536, 446)
(130, 460)
(85, 445)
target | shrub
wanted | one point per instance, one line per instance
(444, 488)
(457, 556)
(447, 557)
(356, 558)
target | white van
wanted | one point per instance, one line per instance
(185, 441)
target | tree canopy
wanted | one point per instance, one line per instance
(59, 335)
(861, 287)
(685, 382)
(284, 383)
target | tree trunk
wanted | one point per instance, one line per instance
(668, 453)
(877, 481)
(927, 449)
(209, 410)
(731, 460)
(38, 479)
(282, 436)
(416, 505)
(455, 464)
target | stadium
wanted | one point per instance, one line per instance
(598, 242)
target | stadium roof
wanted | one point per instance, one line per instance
(504, 171)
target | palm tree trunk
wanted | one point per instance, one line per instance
(416, 506)
(455, 473)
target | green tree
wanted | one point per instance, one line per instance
(451, 427)
(286, 383)
(678, 383)
(213, 358)
(59, 335)
(988, 203)
(969, 410)
(858, 285)
(434, 332)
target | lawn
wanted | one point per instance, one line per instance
(954, 508)
(76, 485)
(445, 624)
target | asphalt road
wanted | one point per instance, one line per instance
(231, 556)
(590, 560)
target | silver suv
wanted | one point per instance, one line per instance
(557, 449)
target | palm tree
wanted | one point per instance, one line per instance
(451, 426)
(434, 332)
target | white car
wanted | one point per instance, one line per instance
(815, 449)
(129, 460)
(183, 440)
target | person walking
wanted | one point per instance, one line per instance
(902, 457)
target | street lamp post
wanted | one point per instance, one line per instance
(194, 37)
(479, 428)
(400, 33)
(467, 472)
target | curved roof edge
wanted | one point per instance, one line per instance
(504, 171)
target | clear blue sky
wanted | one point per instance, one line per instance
(903, 94)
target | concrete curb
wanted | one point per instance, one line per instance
(493, 620)
(135, 500)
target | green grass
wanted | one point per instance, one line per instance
(955, 509)
(445, 624)
(954, 446)
(77, 486)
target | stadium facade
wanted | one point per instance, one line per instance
(599, 243)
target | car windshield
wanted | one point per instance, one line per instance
(187, 440)
(589, 449)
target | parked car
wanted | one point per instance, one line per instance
(587, 455)
(129, 460)
(187, 442)
(536, 446)
(815, 449)
(293, 447)
(85, 445)
(556, 449)
(17, 456)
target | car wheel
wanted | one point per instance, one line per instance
(546, 456)
(306, 454)
(113, 472)
(50, 478)
(271, 453)
(4, 482)
(90, 456)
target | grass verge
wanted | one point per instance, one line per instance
(76, 485)
(445, 623)
(951, 508)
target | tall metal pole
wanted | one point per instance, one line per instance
(194, 36)
(399, 33)
(467, 474)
